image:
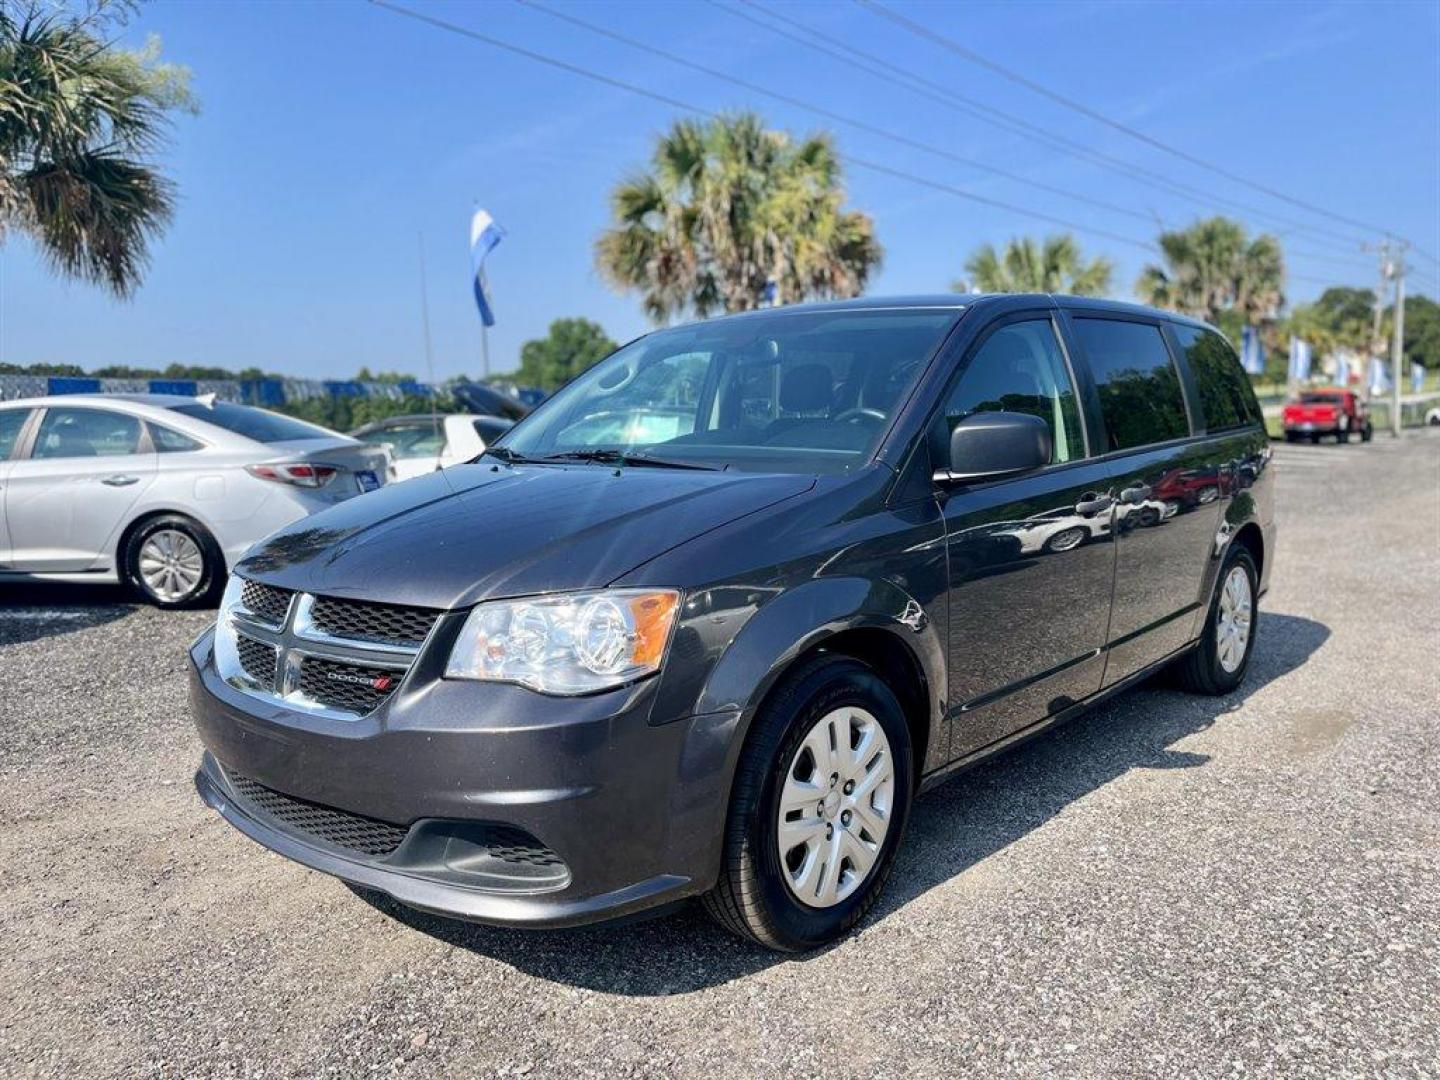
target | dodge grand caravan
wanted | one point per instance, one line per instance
(707, 621)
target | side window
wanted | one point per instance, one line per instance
(1226, 397)
(169, 441)
(1140, 394)
(423, 440)
(1020, 368)
(11, 421)
(72, 433)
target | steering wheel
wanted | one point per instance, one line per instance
(857, 413)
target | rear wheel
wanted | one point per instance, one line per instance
(1367, 432)
(1218, 663)
(819, 804)
(174, 562)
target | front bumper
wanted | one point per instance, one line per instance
(635, 810)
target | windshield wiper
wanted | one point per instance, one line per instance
(626, 457)
(505, 454)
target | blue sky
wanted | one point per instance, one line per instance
(332, 135)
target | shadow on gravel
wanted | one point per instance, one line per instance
(951, 828)
(32, 612)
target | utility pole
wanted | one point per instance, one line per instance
(1397, 349)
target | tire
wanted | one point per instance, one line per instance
(1066, 539)
(1315, 437)
(1202, 670)
(198, 567)
(1367, 433)
(1292, 436)
(1342, 436)
(754, 897)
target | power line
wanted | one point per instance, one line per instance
(893, 74)
(665, 99)
(921, 30)
(849, 159)
(831, 114)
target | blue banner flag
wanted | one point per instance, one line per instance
(1379, 375)
(1342, 371)
(1252, 355)
(1417, 377)
(1299, 359)
(484, 235)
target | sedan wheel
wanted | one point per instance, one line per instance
(171, 565)
(173, 561)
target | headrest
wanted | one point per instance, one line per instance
(807, 388)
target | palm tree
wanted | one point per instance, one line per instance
(1212, 268)
(728, 208)
(79, 120)
(1053, 265)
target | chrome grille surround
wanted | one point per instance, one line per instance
(314, 672)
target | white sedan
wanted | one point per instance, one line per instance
(424, 443)
(161, 492)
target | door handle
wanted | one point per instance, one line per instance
(1096, 504)
(1137, 494)
(120, 480)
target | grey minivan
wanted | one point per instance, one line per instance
(708, 620)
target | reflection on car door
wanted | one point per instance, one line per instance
(65, 501)
(1166, 486)
(1031, 559)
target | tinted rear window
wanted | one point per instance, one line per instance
(254, 424)
(1140, 396)
(1226, 398)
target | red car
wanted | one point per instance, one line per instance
(1331, 411)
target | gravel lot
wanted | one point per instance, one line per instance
(1171, 885)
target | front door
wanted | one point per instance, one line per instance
(64, 503)
(1167, 489)
(1031, 559)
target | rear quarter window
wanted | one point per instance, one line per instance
(257, 424)
(11, 421)
(1226, 398)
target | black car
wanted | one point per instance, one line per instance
(716, 644)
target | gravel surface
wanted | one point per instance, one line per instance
(1172, 885)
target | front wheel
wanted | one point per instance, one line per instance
(1367, 433)
(819, 804)
(174, 562)
(1218, 662)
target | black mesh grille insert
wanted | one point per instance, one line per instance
(265, 602)
(257, 659)
(517, 846)
(352, 687)
(337, 827)
(357, 619)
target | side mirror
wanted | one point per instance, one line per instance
(991, 445)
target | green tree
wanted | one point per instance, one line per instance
(1054, 265)
(1212, 269)
(571, 346)
(1422, 330)
(727, 207)
(80, 120)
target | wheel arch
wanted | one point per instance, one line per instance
(875, 622)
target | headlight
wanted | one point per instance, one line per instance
(227, 655)
(574, 643)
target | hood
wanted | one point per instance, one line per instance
(475, 532)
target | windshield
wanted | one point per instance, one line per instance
(257, 424)
(805, 392)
